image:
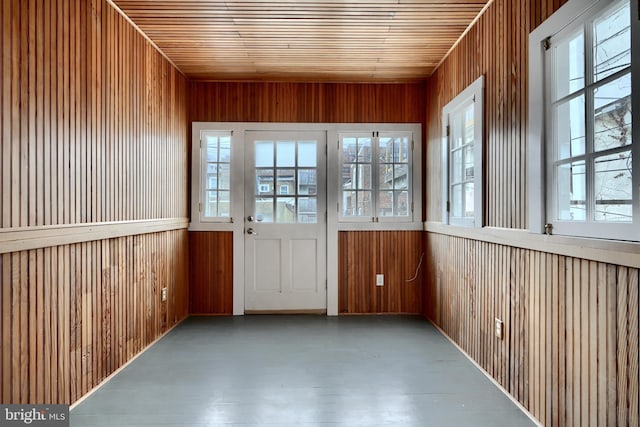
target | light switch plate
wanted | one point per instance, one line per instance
(379, 279)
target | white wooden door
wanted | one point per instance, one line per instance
(285, 221)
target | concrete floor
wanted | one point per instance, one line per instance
(300, 371)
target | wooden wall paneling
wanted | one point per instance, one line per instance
(81, 121)
(571, 327)
(211, 273)
(363, 254)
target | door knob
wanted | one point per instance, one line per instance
(251, 231)
(250, 218)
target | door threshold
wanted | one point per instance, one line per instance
(313, 311)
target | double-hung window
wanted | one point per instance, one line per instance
(376, 176)
(589, 141)
(462, 157)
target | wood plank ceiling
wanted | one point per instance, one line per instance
(304, 40)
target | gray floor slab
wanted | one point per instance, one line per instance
(300, 371)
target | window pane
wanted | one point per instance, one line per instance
(569, 65)
(212, 176)
(612, 118)
(401, 203)
(264, 181)
(401, 150)
(385, 203)
(285, 210)
(212, 148)
(286, 181)
(307, 210)
(469, 210)
(456, 172)
(612, 42)
(307, 154)
(349, 202)
(364, 150)
(307, 182)
(363, 178)
(211, 203)
(385, 175)
(613, 187)
(348, 178)
(225, 149)
(264, 154)
(224, 176)
(468, 162)
(385, 149)
(469, 124)
(572, 191)
(401, 177)
(455, 130)
(456, 201)
(365, 204)
(224, 205)
(570, 128)
(286, 153)
(349, 149)
(264, 209)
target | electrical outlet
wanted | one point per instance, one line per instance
(164, 294)
(499, 328)
(379, 279)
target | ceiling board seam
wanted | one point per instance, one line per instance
(464, 33)
(146, 37)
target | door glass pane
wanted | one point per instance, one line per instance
(569, 65)
(264, 181)
(612, 42)
(571, 191)
(613, 187)
(612, 118)
(264, 209)
(455, 130)
(307, 153)
(570, 128)
(307, 182)
(285, 210)
(385, 150)
(401, 150)
(264, 154)
(286, 153)
(211, 203)
(469, 131)
(307, 210)
(468, 162)
(286, 184)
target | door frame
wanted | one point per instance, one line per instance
(236, 223)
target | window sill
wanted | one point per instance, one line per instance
(609, 251)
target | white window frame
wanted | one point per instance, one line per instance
(199, 147)
(375, 134)
(569, 15)
(474, 93)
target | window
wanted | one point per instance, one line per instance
(216, 158)
(462, 157)
(376, 176)
(588, 136)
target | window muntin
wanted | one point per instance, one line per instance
(216, 147)
(376, 176)
(286, 182)
(589, 124)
